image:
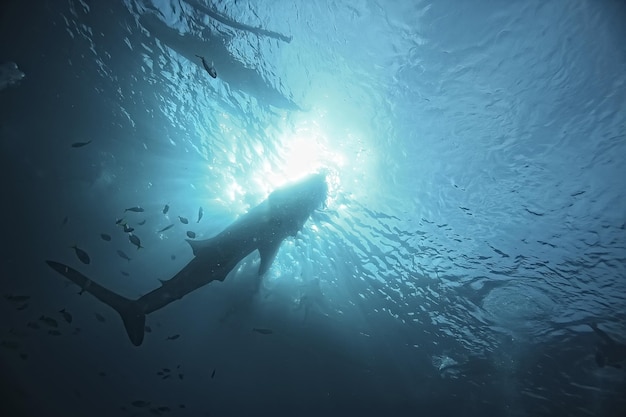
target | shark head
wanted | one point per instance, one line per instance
(292, 204)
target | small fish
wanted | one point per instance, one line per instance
(147, 329)
(183, 220)
(101, 373)
(191, 235)
(82, 255)
(22, 307)
(120, 221)
(76, 331)
(65, 220)
(182, 406)
(160, 373)
(10, 344)
(173, 337)
(23, 356)
(66, 316)
(49, 321)
(181, 376)
(166, 376)
(166, 228)
(167, 370)
(141, 223)
(173, 257)
(134, 239)
(32, 325)
(100, 318)
(135, 209)
(126, 274)
(17, 298)
(200, 214)
(105, 237)
(262, 330)
(80, 144)
(122, 255)
(213, 374)
(209, 68)
(128, 229)
(140, 403)
(163, 408)
(166, 209)
(54, 332)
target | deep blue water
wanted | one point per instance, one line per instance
(474, 228)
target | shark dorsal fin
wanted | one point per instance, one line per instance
(198, 245)
(268, 253)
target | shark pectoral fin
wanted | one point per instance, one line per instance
(132, 315)
(268, 253)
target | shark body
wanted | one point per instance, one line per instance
(263, 228)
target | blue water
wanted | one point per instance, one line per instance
(475, 223)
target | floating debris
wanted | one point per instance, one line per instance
(166, 228)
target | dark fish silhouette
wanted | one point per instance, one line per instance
(200, 213)
(173, 337)
(66, 316)
(147, 329)
(17, 298)
(191, 235)
(166, 209)
(80, 144)
(82, 255)
(54, 332)
(135, 209)
(140, 403)
(126, 274)
(141, 223)
(134, 239)
(122, 255)
(213, 374)
(183, 220)
(128, 229)
(105, 237)
(100, 318)
(22, 307)
(166, 228)
(49, 321)
(262, 330)
(208, 68)
(65, 220)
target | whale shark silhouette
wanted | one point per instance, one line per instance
(263, 228)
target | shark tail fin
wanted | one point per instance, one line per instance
(132, 315)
